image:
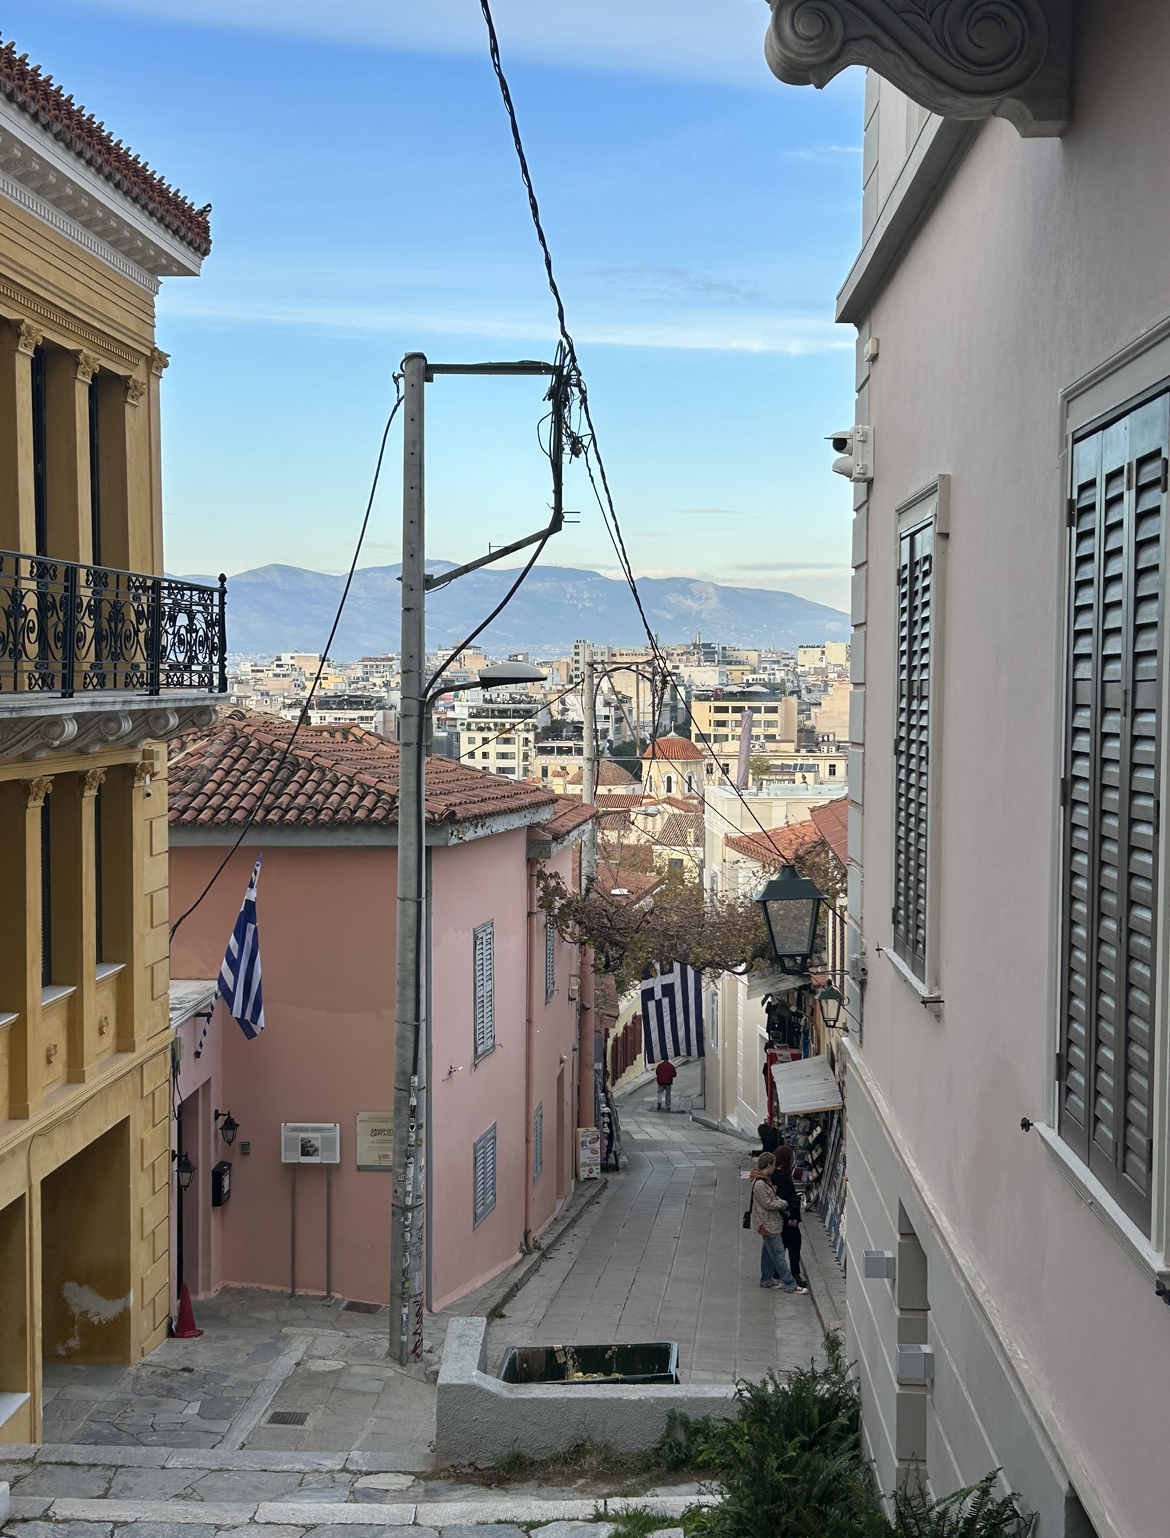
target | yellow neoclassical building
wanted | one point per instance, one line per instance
(100, 658)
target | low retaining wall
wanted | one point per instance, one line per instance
(480, 1420)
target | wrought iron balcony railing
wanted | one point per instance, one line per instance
(67, 628)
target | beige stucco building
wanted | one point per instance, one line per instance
(1009, 1120)
(100, 656)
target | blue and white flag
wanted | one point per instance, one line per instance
(239, 977)
(672, 1013)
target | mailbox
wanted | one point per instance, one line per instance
(221, 1183)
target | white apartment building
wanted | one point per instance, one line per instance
(497, 736)
(1008, 1078)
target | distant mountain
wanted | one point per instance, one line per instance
(282, 608)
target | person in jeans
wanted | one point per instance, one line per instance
(665, 1074)
(784, 1188)
(767, 1218)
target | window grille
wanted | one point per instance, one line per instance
(550, 959)
(1105, 1066)
(912, 745)
(484, 1195)
(538, 1143)
(485, 988)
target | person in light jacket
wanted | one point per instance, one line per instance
(767, 1218)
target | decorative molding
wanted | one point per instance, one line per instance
(63, 322)
(143, 770)
(93, 781)
(103, 1025)
(51, 1052)
(28, 338)
(36, 791)
(135, 390)
(88, 364)
(158, 361)
(85, 724)
(957, 58)
(77, 233)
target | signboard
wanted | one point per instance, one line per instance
(310, 1142)
(588, 1153)
(375, 1140)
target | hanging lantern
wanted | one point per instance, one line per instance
(792, 907)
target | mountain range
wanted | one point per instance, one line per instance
(284, 608)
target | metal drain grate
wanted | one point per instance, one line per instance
(361, 1308)
(288, 1417)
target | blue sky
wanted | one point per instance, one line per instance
(366, 202)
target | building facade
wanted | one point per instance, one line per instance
(1009, 1117)
(100, 658)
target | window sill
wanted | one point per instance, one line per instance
(925, 996)
(7, 1016)
(108, 969)
(1094, 1195)
(55, 992)
(483, 1056)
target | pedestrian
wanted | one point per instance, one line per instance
(767, 1218)
(769, 1137)
(665, 1073)
(786, 1190)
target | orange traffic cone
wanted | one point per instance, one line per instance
(185, 1328)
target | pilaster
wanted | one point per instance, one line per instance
(18, 342)
(67, 491)
(20, 940)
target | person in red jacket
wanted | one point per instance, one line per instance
(665, 1073)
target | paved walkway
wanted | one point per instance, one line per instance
(664, 1256)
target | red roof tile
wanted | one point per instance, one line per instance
(608, 773)
(832, 823)
(778, 846)
(570, 816)
(79, 131)
(672, 750)
(625, 884)
(331, 776)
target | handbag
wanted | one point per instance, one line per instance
(747, 1217)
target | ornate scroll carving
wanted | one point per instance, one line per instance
(37, 790)
(959, 58)
(28, 338)
(93, 781)
(88, 364)
(158, 361)
(135, 390)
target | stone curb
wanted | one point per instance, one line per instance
(213, 1459)
(217, 1513)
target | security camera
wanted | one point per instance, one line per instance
(854, 449)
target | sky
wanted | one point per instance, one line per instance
(366, 202)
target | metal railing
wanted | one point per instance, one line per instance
(69, 628)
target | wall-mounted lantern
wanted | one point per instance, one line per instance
(229, 1128)
(792, 909)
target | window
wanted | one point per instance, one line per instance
(95, 488)
(550, 959)
(484, 944)
(832, 770)
(1113, 725)
(484, 1179)
(912, 744)
(669, 784)
(538, 1143)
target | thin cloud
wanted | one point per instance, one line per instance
(793, 568)
(677, 280)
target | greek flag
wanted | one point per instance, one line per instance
(239, 977)
(672, 1013)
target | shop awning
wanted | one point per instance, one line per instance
(804, 1086)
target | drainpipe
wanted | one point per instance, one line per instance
(529, 1108)
(585, 1026)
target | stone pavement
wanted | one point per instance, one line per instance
(664, 1256)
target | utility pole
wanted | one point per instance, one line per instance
(406, 1234)
(589, 770)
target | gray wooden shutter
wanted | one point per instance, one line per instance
(484, 1196)
(1111, 791)
(538, 1143)
(912, 745)
(485, 988)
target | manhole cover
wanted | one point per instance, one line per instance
(288, 1417)
(361, 1308)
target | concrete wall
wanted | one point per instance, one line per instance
(1042, 260)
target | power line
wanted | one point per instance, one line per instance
(266, 793)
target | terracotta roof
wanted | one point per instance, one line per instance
(608, 773)
(777, 847)
(78, 130)
(625, 884)
(677, 826)
(673, 750)
(333, 775)
(570, 816)
(612, 803)
(832, 823)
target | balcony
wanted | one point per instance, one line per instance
(92, 657)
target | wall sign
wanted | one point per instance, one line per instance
(375, 1140)
(310, 1142)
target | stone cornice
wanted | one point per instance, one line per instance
(958, 58)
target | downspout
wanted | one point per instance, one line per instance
(585, 1027)
(529, 1024)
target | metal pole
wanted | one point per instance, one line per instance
(292, 1240)
(406, 1235)
(328, 1232)
(589, 771)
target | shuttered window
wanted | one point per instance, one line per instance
(1111, 795)
(538, 1143)
(485, 1175)
(484, 942)
(550, 959)
(912, 745)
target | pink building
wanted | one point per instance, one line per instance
(503, 1070)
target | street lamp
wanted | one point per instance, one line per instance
(831, 1002)
(792, 907)
(184, 1169)
(230, 1126)
(500, 674)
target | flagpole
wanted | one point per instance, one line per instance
(406, 1232)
